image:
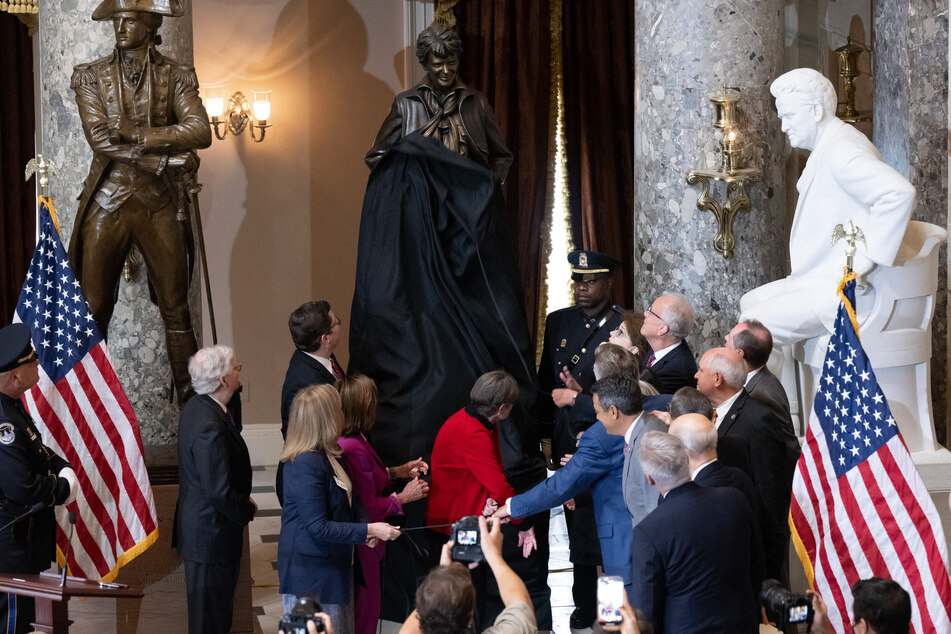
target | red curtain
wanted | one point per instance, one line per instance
(17, 197)
(598, 61)
(506, 52)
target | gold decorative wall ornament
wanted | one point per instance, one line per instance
(239, 112)
(848, 71)
(730, 171)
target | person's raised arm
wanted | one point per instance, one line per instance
(511, 588)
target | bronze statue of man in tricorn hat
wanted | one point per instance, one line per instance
(142, 115)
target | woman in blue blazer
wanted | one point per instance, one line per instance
(315, 553)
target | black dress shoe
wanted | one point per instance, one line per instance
(579, 620)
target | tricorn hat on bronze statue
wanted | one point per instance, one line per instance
(171, 8)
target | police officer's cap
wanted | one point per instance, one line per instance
(590, 265)
(15, 347)
(170, 8)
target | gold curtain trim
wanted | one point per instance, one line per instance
(444, 12)
(556, 164)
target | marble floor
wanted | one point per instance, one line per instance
(264, 531)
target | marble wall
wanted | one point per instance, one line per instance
(685, 52)
(911, 119)
(69, 37)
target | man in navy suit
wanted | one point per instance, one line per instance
(214, 494)
(693, 572)
(753, 342)
(670, 364)
(699, 437)
(315, 330)
(720, 378)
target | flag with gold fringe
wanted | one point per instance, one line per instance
(860, 508)
(84, 416)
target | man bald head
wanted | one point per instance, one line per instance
(699, 438)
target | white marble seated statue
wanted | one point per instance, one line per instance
(844, 178)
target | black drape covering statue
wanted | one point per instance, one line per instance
(438, 298)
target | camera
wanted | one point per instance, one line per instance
(465, 537)
(296, 621)
(783, 606)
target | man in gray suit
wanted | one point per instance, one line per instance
(617, 402)
(753, 342)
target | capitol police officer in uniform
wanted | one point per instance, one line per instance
(32, 477)
(571, 336)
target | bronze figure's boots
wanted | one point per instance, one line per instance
(181, 346)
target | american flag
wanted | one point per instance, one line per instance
(84, 416)
(859, 507)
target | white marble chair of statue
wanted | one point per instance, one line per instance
(895, 309)
(844, 179)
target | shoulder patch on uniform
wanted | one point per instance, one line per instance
(7, 433)
(185, 76)
(83, 76)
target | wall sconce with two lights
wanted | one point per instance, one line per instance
(238, 113)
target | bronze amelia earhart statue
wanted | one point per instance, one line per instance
(142, 115)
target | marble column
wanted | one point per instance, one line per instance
(69, 37)
(685, 52)
(910, 129)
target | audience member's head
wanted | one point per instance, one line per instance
(314, 328)
(882, 604)
(620, 391)
(440, 40)
(668, 321)
(445, 600)
(494, 394)
(314, 423)
(698, 435)
(611, 359)
(628, 333)
(689, 400)
(209, 367)
(751, 340)
(358, 398)
(721, 373)
(664, 460)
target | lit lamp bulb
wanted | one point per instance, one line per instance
(215, 101)
(731, 151)
(261, 106)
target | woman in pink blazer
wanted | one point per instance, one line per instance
(372, 482)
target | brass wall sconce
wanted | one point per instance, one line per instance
(848, 71)
(238, 114)
(730, 171)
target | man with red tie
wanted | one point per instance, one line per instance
(670, 364)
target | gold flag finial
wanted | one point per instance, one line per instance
(851, 235)
(44, 167)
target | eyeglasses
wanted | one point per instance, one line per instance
(648, 310)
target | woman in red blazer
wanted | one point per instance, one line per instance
(372, 483)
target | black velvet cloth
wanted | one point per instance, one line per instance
(438, 302)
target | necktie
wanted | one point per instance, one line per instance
(338, 373)
(714, 420)
(650, 359)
